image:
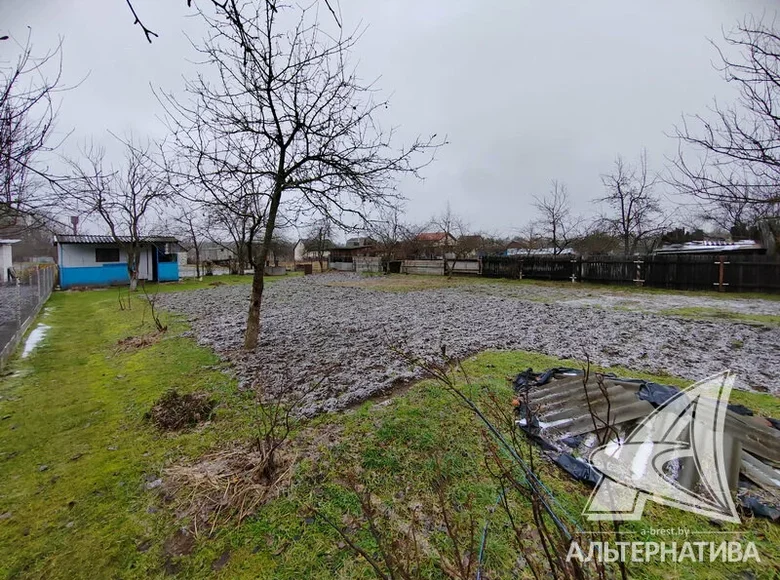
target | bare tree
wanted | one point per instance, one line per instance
(28, 111)
(558, 223)
(453, 227)
(150, 34)
(319, 239)
(125, 200)
(288, 112)
(389, 233)
(635, 209)
(190, 226)
(739, 145)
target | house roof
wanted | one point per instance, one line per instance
(431, 236)
(316, 243)
(84, 239)
(9, 242)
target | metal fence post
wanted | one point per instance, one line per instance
(18, 304)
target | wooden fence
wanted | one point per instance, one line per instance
(726, 273)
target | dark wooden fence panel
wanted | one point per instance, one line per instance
(501, 267)
(728, 273)
(681, 272)
(608, 270)
(539, 268)
(751, 273)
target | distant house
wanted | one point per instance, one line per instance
(213, 252)
(312, 249)
(436, 239)
(6, 259)
(430, 245)
(471, 246)
(100, 261)
(711, 247)
(343, 257)
(225, 253)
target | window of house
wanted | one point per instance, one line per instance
(106, 254)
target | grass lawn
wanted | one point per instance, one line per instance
(78, 459)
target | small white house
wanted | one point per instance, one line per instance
(6, 259)
(306, 250)
(101, 261)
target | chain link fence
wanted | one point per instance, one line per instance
(20, 302)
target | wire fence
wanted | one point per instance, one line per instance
(20, 301)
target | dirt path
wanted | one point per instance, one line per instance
(309, 325)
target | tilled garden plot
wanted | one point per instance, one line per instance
(346, 338)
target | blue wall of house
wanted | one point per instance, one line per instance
(104, 275)
(167, 271)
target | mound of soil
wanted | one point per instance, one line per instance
(138, 342)
(175, 411)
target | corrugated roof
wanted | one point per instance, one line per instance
(564, 409)
(85, 239)
(710, 247)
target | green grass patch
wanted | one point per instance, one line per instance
(706, 313)
(76, 453)
(212, 282)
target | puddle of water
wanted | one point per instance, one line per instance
(34, 338)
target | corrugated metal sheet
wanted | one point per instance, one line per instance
(565, 407)
(86, 239)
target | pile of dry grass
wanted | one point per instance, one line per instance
(175, 411)
(228, 484)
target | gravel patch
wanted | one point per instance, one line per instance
(310, 329)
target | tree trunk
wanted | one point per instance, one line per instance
(133, 260)
(197, 262)
(253, 317)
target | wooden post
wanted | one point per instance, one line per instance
(638, 279)
(721, 271)
(573, 271)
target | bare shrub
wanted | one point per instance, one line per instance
(400, 533)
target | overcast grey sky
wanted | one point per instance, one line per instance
(526, 91)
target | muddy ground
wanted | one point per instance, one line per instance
(345, 337)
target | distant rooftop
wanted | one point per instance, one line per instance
(430, 236)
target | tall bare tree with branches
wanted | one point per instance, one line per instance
(635, 212)
(288, 111)
(125, 200)
(735, 167)
(28, 111)
(559, 224)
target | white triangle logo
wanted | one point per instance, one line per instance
(675, 457)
